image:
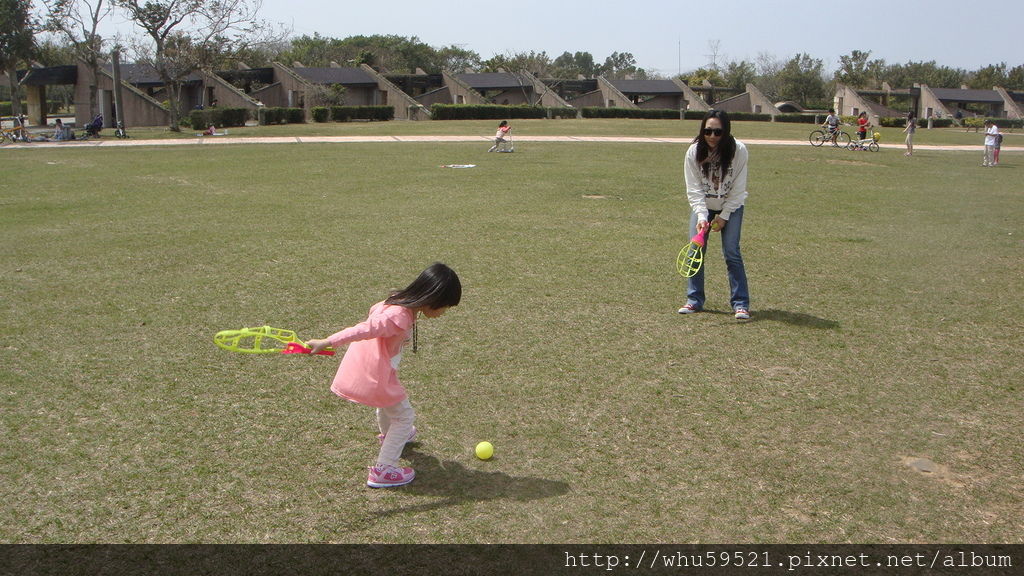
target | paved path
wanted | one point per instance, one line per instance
(214, 140)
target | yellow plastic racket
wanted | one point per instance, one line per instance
(262, 340)
(690, 258)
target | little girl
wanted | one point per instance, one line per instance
(368, 373)
(501, 135)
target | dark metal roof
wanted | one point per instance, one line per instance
(493, 81)
(646, 86)
(969, 95)
(343, 76)
(145, 75)
(50, 76)
(248, 76)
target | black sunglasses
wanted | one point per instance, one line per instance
(715, 131)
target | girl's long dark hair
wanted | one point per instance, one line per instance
(726, 146)
(436, 287)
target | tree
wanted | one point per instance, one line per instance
(78, 21)
(769, 68)
(739, 74)
(1015, 78)
(989, 76)
(801, 80)
(930, 73)
(857, 71)
(456, 58)
(537, 63)
(16, 43)
(619, 65)
(700, 75)
(573, 65)
(188, 35)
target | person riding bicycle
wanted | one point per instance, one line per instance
(831, 124)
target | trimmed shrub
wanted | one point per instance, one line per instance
(897, 122)
(797, 118)
(370, 113)
(562, 113)
(220, 117)
(644, 113)
(484, 112)
(321, 114)
(279, 115)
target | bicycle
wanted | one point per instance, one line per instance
(14, 134)
(837, 138)
(870, 144)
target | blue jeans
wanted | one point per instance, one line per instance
(740, 297)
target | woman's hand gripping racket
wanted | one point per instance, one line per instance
(264, 340)
(690, 258)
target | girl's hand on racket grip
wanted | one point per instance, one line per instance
(317, 346)
(701, 225)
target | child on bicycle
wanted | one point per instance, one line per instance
(831, 124)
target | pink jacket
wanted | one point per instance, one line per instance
(368, 371)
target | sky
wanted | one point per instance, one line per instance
(672, 36)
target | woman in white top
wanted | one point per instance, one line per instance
(991, 139)
(716, 188)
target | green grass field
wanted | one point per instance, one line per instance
(875, 397)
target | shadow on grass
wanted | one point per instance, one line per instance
(456, 484)
(796, 319)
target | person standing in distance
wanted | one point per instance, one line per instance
(716, 188)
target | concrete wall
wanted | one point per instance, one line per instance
(611, 95)
(672, 101)
(691, 100)
(139, 108)
(406, 107)
(460, 92)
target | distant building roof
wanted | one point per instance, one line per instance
(145, 75)
(49, 76)
(492, 81)
(646, 86)
(968, 95)
(343, 76)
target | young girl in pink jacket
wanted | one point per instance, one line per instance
(368, 373)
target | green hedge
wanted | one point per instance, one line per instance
(645, 113)
(797, 118)
(219, 117)
(279, 115)
(485, 112)
(5, 108)
(321, 114)
(349, 113)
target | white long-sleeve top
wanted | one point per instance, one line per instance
(732, 186)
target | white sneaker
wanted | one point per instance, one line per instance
(389, 476)
(742, 314)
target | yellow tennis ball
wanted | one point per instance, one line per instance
(484, 450)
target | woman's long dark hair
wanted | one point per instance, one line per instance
(436, 287)
(726, 146)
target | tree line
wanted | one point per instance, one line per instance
(177, 37)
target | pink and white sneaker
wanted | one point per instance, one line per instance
(389, 476)
(411, 438)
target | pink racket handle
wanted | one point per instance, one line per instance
(296, 348)
(701, 237)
